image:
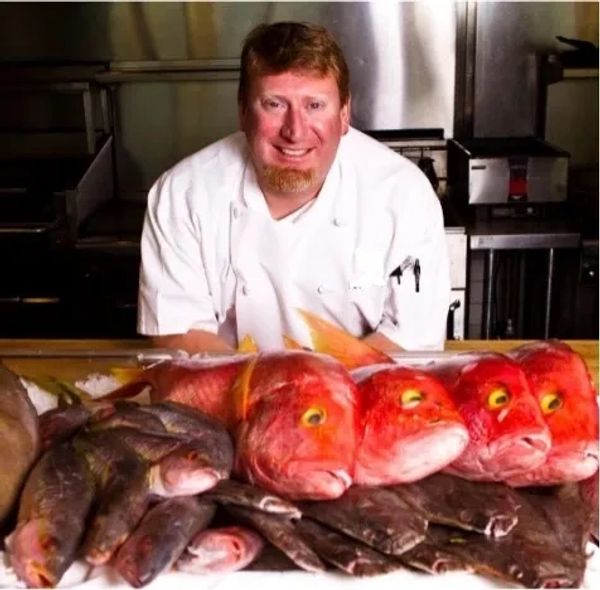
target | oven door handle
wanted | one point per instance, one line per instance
(28, 228)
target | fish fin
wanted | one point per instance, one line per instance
(241, 390)
(247, 344)
(291, 344)
(68, 393)
(336, 342)
(126, 375)
(126, 391)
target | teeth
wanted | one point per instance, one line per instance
(292, 152)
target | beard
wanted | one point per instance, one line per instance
(288, 180)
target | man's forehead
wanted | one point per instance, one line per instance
(297, 80)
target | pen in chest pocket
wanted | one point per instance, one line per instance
(408, 262)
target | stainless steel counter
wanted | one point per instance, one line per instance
(516, 234)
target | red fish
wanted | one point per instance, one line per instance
(507, 432)
(292, 415)
(560, 382)
(410, 427)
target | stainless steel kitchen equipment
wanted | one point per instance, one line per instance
(507, 171)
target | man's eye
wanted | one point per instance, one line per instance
(272, 104)
(315, 106)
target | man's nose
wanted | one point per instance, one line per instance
(294, 124)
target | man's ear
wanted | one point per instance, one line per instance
(345, 114)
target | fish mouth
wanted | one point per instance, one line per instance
(510, 455)
(171, 483)
(561, 466)
(304, 483)
(412, 458)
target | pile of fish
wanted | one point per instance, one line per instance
(339, 458)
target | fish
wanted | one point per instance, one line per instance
(62, 423)
(298, 427)
(544, 550)
(53, 508)
(19, 439)
(588, 492)
(350, 351)
(344, 553)
(272, 559)
(220, 550)
(432, 559)
(292, 415)
(561, 383)
(160, 538)
(177, 465)
(230, 491)
(507, 432)
(372, 515)
(122, 493)
(485, 507)
(281, 532)
(409, 425)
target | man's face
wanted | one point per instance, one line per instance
(293, 122)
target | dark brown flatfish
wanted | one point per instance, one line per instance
(272, 559)
(62, 423)
(237, 493)
(488, 508)
(280, 532)
(544, 549)
(346, 554)
(375, 516)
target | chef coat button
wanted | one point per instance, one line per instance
(236, 212)
(338, 222)
(245, 290)
(321, 289)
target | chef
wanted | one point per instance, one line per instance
(298, 210)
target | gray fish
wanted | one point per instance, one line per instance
(375, 516)
(178, 465)
(52, 513)
(160, 538)
(122, 493)
(346, 554)
(280, 532)
(489, 508)
(222, 550)
(129, 414)
(234, 492)
(19, 439)
(62, 423)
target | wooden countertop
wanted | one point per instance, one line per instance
(587, 348)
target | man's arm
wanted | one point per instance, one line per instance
(193, 341)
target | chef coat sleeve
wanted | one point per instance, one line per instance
(417, 320)
(173, 296)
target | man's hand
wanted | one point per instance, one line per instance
(192, 342)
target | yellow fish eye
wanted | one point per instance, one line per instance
(498, 398)
(410, 398)
(551, 402)
(314, 417)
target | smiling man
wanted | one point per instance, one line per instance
(296, 211)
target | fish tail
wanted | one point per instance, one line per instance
(336, 342)
(247, 344)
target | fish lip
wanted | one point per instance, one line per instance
(343, 476)
(504, 452)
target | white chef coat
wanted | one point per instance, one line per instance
(214, 259)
